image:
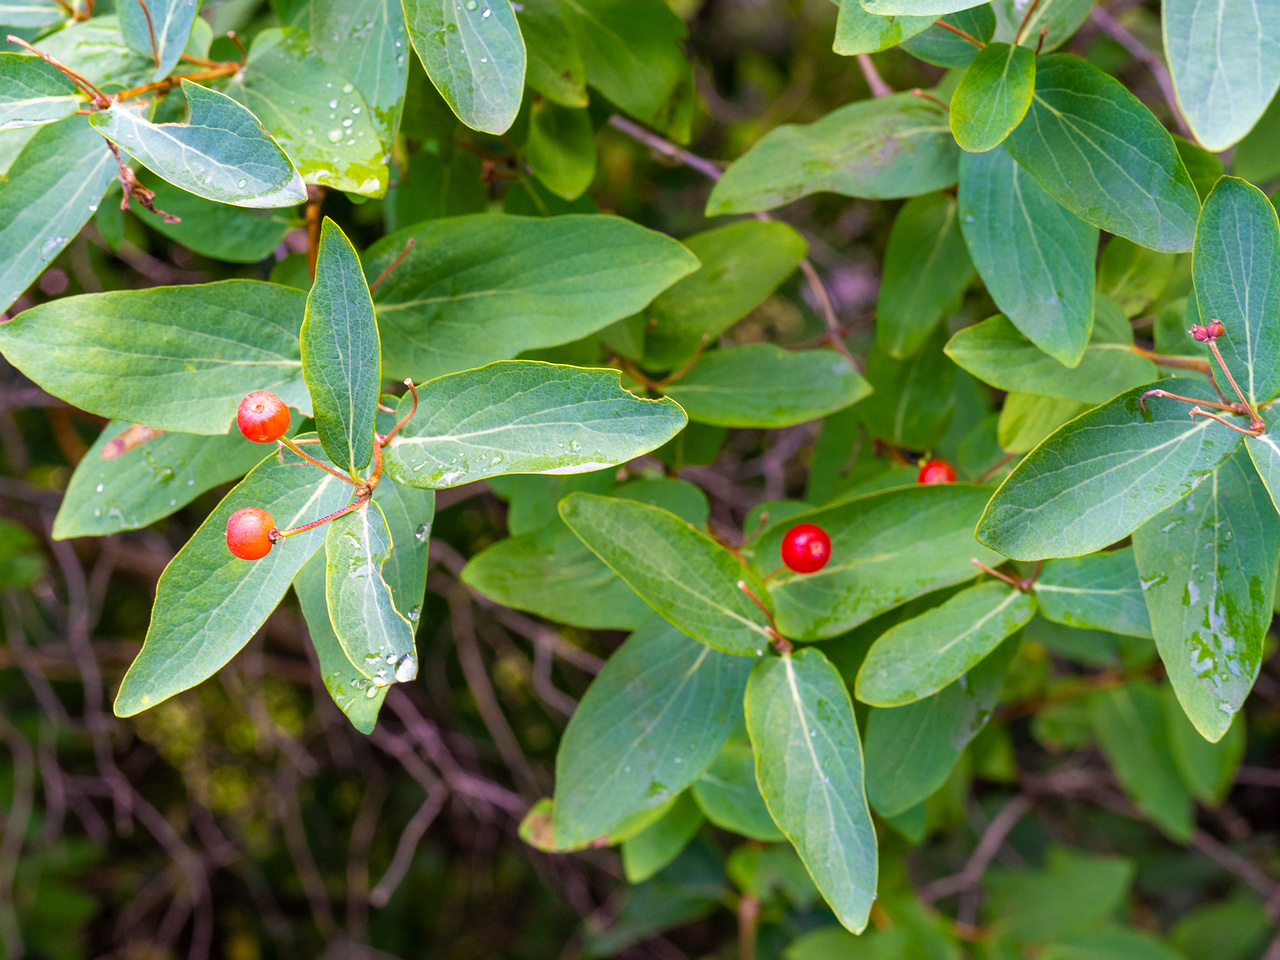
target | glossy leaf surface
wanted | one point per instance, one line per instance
(993, 96)
(33, 92)
(860, 32)
(368, 44)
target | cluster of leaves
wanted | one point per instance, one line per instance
(577, 362)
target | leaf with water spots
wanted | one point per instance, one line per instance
(649, 725)
(1206, 567)
(1100, 591)
(33, 92)
(809, 768)
(409, 513)
(368, 44)
(521, 416)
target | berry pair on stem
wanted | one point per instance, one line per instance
(264, 418)
(1209, 333)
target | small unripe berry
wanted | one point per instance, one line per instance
(806, 548)
(1209, 331)
(936, 471)
(249, 533)
(263, 417)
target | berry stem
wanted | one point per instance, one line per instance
(408, 245)
(383, 441)
(1017, 37)
(1255, 421)
(1228, 407)
(277, 535)
(1018, 583)
(667, 381)
(1253, 431)
(99, 98)
(779, 642)
(289, 444)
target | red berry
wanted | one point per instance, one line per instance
(263, 417)
(806, 548)
(249, 533)
(936, 471)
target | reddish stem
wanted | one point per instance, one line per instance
(383, 441)
(286, 442)
(959, 33)
(408, 245)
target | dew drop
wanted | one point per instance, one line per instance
(242, 183)
(335, 136)
(407, 669)
(333, 104)
(423, 533)
(347, 88)
(99, 488)
(51, 246)
(486, 13)
(347, 122)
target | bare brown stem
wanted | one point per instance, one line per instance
(290, 445)
(1250, 432)
(683, 371)
(1017, 37)
(151, 31)
(168, 83)
(315, 199)
(408, 245)
(986, 850)
(959, 33)
(407, 417)
(874, 81)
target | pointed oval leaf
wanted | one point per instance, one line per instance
(210, 603)
(1096, 149)
(895, 146)
(1100, 476)
(1237, 281)
(476, 289)
(993, 96)
(809, 767)
(1208, 769)
(369, 45)
(341, 357)
(996, 352)
(676, 569)
(159, 32)
(1224, 59)
(33, 92)
(919, 657)
(860, 32)
(554, 67)
(763, 385)
(649, 725)
(730, 797)
(49, 193)
(376, 637)
(1035, 257)
(474, 55)
(355, 694)
(409, 513)
(649, 850)
(1205, 566)
(173, 358)
(316, 114)
(886, 548)
(521, 416)
(131, 477)
(1100, 591)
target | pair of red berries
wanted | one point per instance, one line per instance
(262, 418)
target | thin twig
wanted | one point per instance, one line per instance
(986, 850)
(959, 33)
(835, 335)
(151, 30)
(408, 245)
(407, 846)
(874, 81)
(1017, 37)
(665, 147)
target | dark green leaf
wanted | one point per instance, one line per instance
(809, 767)
(1026, 420)
(1035, 257)
(942, 48)
(895, 146)
(33, 92)
(1115, 943)
(478, 289)
(1103, 474)
(1104, 156)
(1208, 769)
(993, 96)
(648, 851)
(160, 32)
(1075, 891)
(340, 354)
(1203, 167)
(173, 358)
(729, 796)
(1133, 276)
(368, 44)
(649, 725)
(216, 230)
(911, 402)
(1206, 569)
(561, 148)
(555, 67)
(474, 55)
(1100, 591)
(1238, 928)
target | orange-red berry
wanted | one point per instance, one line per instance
(263, 417)
(249, 533)
(936, 471)
(806, 548)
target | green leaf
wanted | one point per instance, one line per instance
(1116, 943)
(520, 416)
(911, 402)
(860, 32)
(886, 548)
(915, 8)
(1224, 59)
(1073, 892)
(48, 195)
(895, 146)
(409, 513)
(1026, 419)
(561, 148)
(942, 48)
(679, 571)
(1133, 276)
(210, 603)
(216, 230)
(1237, 281)
(555, 67)
(729, 796)
(1103, 474)
(1203, 167)
(1100, 591)
(633, 53)
(483, 288)
(474, 55)
(1061, 17)
(1094, 147)
(926, 270)
(996, 352)
(993, 96)
(96, 50)
(130, 478)
(651, 722)
(1257, 156)
(1129, 723)
(368, 44)
(1238, 928)
(314, 113)
(1205, 565)
(648, 851)
(1208, 769)
(919, 657)
(162, 35)
(33, 92)
(376, 637)
(912, 749)
(763, 385)
(340, 353)
(221, 153)
(1035, 257)
(31, 13)
(173, 358)
(741, 265)
(809, 767)
(355, 695)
